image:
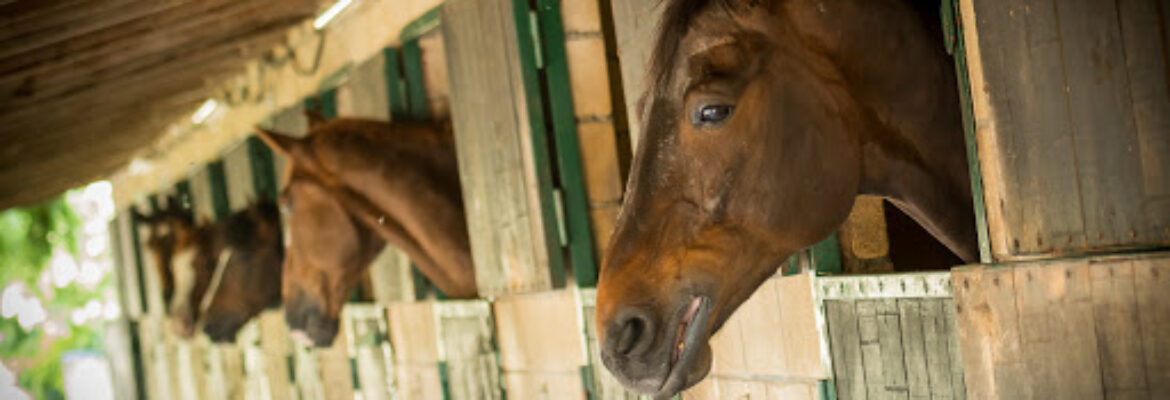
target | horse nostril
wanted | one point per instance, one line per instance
(634, 334)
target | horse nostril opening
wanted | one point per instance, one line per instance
(633, 335)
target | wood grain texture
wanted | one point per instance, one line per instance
(1070, 124)
(496, 167)
(893, 348)
(1023, 326)
(274, 343)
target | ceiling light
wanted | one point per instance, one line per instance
(326, 17)
(204, 112)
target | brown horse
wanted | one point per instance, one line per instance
(247, 277)
(217, 275)
(763, 120)
(354, 185)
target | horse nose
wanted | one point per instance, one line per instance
(631, 333)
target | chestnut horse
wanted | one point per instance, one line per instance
(354, 185)
(218, 275)
(762, 121)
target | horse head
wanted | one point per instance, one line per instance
(762, 121)
(352, 186)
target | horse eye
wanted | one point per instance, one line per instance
(713, 114)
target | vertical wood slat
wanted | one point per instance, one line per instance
(238, 177)
(1070, 124)
(510, 238)
(605, 386)
(1024, 326)
(845, 337)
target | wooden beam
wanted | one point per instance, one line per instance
(77, 20)
(195, 54)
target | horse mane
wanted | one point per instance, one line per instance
(676, 21)
(244, 228)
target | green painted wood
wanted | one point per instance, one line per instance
(217, 177)
(528, 37)
(324, 103)
(952, 34)
(263, 169)
(183, 191)
(445, 379)
(559, 100)
(395, 85)
(826, 390)
(826, 255)
(422, 25)
(416, 89)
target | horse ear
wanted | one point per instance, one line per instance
(315, 118)
(278, 142)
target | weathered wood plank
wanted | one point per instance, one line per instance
(1116, 322)
(238, 170)
(892, 352)
(1067, 99)
(540, 332)
(845, 346)
(989, 334)
(275, 345)
(1152, 294)
(1056, 317)
(871, 349)
(496, 163)
(466, 342)
(1142, 25)
(911, 319)
(935, 340)
(949, 324)
(1101, 114)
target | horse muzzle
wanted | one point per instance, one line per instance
(660, 361)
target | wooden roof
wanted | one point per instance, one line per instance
(86, 85)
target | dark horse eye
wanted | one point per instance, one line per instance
(713, 114)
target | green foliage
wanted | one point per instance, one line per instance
(28, 237)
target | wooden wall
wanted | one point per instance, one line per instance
(1096, 328)
(1072, 113)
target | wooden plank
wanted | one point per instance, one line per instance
(871, 349)
(949, 325)
(275, 346)
(434, 74)
(1101, 114)
(989, 334)
(497, 171)
(1055, 308)
(237, 166)
(1070, 141)
(468, 349)
(364, 94)
(911, 320)
(635, 25)
(935, 340)
(1142, 27)
(540, 332)
(845, 347)
(1151, 279)
(1117, 324)
(892, 352)
(544, 385)
(413, 334)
